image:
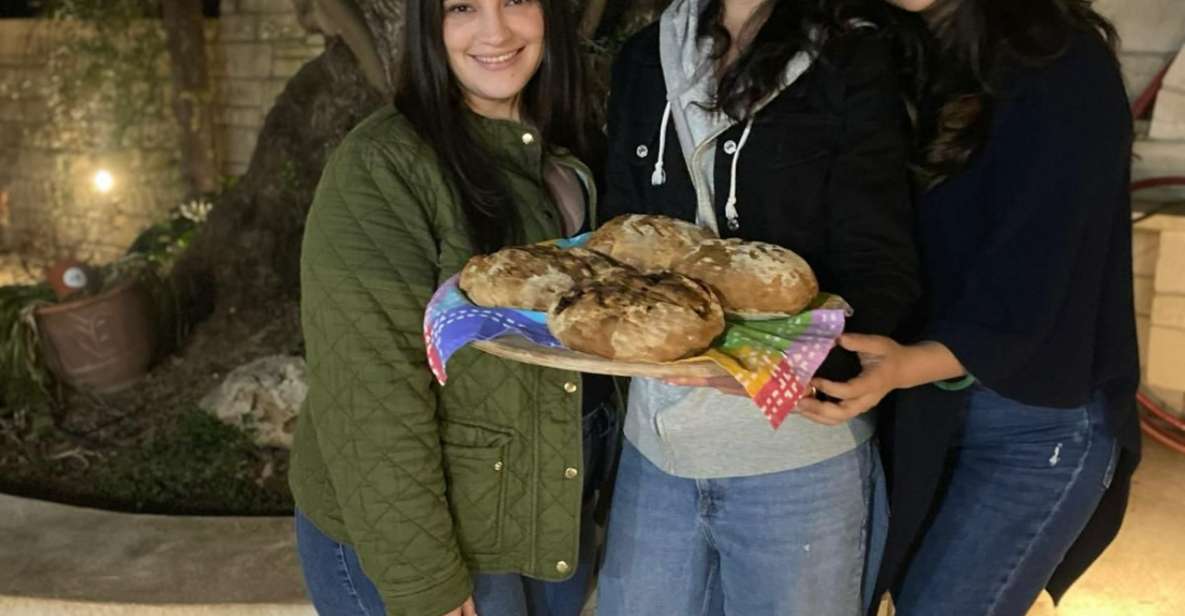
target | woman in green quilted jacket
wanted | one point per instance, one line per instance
(414, 499)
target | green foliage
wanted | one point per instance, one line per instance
(190, 463)
(114, 63)
(27, 383)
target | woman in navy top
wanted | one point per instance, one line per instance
(1014, 436)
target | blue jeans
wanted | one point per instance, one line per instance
(337, 585)
(1024, 481)
(791, 543)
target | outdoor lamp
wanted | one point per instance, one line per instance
(104, 181)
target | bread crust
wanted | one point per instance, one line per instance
(531, 277)
(649, 243)
(656, 317)
(752, 277)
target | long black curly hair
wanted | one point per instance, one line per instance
(785, 28)
(974, 44)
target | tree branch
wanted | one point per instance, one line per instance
(594, 11)
(344, 19)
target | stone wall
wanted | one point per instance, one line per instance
(48, 160)
(255, 46)
(1152, 32)
(260, 44)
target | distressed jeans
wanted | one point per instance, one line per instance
(793, 543)
(1024, 481)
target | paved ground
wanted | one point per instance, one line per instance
(64, 561)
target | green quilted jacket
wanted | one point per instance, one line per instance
(429, 484)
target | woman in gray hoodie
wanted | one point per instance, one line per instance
(778, 121)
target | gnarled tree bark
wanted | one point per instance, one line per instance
(247, 255)
(185, 38)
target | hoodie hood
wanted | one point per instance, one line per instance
(688, 71)
(686, 58)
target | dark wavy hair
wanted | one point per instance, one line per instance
(786, 28)
(555, 101)
(974, 46)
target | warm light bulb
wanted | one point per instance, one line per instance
(104, 181)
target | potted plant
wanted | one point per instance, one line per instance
(100, 337)
(102, 332)
(26, 382)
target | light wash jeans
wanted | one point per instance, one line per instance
(1024, 482)
(792, 543)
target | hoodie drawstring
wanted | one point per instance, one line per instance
(659, 177)
(730, 207)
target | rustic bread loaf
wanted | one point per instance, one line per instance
(654, 317)
(531, 277)
(649, 243)
(752, 277)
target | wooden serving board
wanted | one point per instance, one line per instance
(522, 350)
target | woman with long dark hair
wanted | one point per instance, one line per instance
(1012, 473)
(415, 499)
(779, 121)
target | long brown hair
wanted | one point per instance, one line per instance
(975, 44)
(788, 27)
(554, 101)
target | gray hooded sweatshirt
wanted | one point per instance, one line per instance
(698, 432)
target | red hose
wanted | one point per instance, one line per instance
(1156, 422)
(1144, 101)
(1160, 424)
(1158, 182)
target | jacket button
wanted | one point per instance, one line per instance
(730, 147)
(570, 387)
(563, 567)
(570, 473)
(498, 466)
(642, 151)
(528, 138)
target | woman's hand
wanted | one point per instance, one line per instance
(887, 366)
(467, 609)
(723, 384)
(881, 359)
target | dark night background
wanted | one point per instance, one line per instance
(33, 8)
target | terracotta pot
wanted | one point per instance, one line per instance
(102, 343)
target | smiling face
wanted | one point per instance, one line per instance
(494, 49)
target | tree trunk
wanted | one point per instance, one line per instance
(247, 255)
(248, 252)
(185, 36)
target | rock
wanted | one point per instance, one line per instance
(262, 398)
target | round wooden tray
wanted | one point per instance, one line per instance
(522, 350)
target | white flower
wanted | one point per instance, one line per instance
(196, 210)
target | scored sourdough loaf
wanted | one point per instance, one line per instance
(531, 277)
(752, 277)
(647, 242)
(655, 317)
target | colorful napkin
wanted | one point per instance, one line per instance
(774, 359)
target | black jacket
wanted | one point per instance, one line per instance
(1028, 257)
(824, 174)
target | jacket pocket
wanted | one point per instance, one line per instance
(475, 484)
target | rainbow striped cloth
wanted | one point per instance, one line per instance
(774, 359)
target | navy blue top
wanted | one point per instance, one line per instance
(1027, 258)
(1027, 253)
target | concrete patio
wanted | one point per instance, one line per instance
(66, 561)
